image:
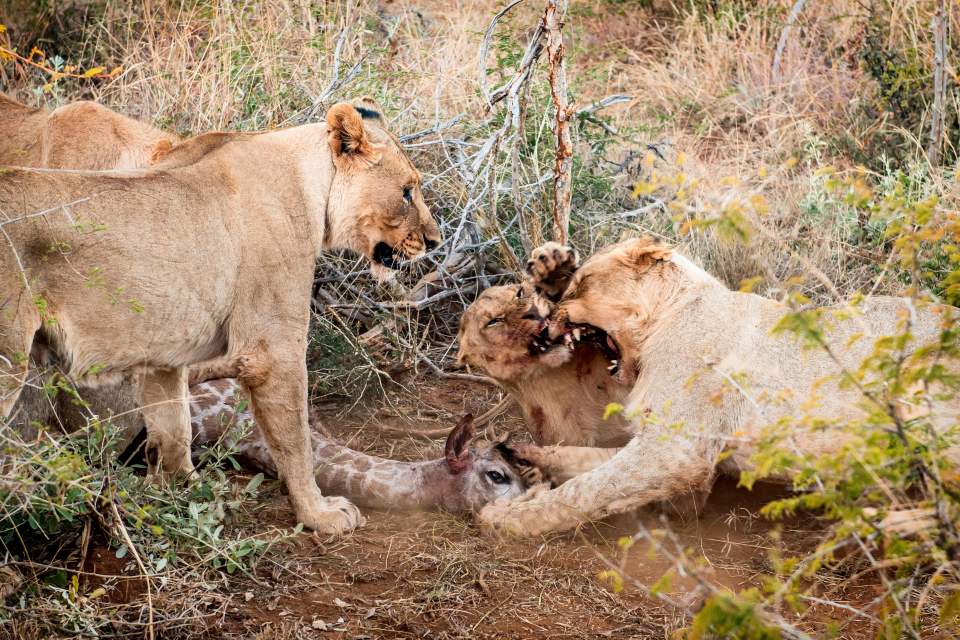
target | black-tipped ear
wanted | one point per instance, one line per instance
(368, 109)
(457, 448)
(345, 133)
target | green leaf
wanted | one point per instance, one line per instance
(253, 485)
(950, 610)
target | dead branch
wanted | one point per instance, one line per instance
(782, 42)
(485, 49)
(939, 26)
(553, 24)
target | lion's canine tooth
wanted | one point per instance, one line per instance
(576, 335)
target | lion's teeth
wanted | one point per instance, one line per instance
(614, 365)
(576, 335)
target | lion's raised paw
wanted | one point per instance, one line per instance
(550, 268)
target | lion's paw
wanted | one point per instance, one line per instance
(501, 517)
(334, 516)
(550, 268)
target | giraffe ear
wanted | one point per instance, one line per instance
(457, 449)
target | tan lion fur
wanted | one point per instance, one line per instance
(707, 377)
(79, 135)
(563, 390)
(158, 270)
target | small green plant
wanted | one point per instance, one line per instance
(54, 488)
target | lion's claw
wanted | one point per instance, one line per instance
(335, 515)
(550, 268)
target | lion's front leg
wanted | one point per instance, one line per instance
(560, 463)
(166, 412)
(646, 470)
(277, 383)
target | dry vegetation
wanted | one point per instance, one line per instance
(769, 175)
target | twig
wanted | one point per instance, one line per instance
(440, 126)
(553, 24)
(609, 101)
(143, 570)
(484, 50)
(939, 26)
(782, 43)
(457, 376)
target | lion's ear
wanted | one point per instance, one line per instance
(368, 109)
(348, 140)
(643, 252)
(161, 149)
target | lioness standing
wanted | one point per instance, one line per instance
(156, 270)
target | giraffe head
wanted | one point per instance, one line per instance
(481, 474)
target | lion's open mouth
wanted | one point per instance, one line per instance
(540, 342)
(587, 333)
(384, 254)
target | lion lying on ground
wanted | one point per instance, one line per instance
(706, 376)
(79, 135)
(159, 270)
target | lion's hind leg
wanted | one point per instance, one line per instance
(19, 322)
(166, 411)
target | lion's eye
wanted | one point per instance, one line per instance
(494, 321)
(408, 195)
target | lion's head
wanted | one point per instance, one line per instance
(617, 292)
(504, 332)
(375, 206)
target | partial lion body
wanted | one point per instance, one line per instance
(707, 378)
(79, 135)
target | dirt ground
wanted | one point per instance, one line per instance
(434, 575)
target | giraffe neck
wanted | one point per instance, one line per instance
(367, 480)
(382, 483)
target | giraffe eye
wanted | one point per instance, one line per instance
(497, 478)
